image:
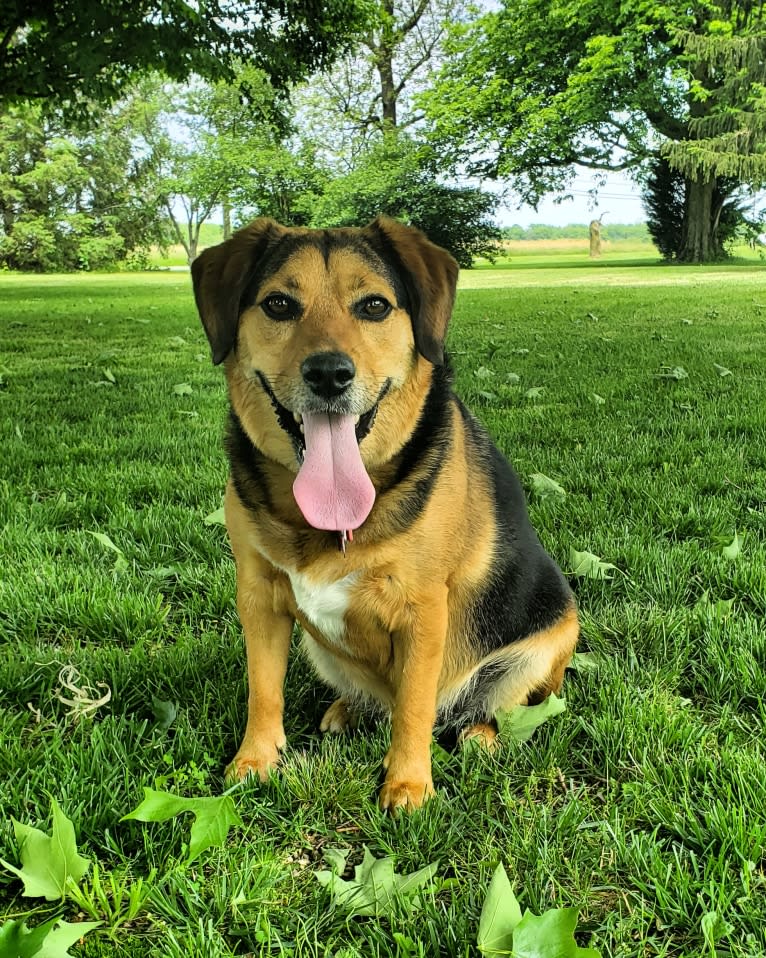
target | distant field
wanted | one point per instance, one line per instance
(638, 389)
(535, 253)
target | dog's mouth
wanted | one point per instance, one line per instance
(332, 488)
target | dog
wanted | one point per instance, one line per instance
(366, 503)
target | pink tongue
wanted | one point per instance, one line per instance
(332, 488)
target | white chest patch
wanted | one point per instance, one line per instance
(324, 603)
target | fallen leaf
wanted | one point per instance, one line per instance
(546, 487)
(215, 518)
(733, 549)
(213, 817)
(503, 930)
(722, 370)
(550, 935)
(534, 392)
(672, 372)
(520, 722)
(164, 711)
(183, 389)
(584, 662)
(589, 566)
(500, 915)
(48, 862)
(598, 400)
(376, 890)
(44, 941)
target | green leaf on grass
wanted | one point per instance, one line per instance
(500, 915)
(672, 372)
(216, 518)
(164, 711)
(376, 890)
(584, 662)
(598, 400)
(213, 817)
(589, 566)
(513, 379)
(733, 549)
(483, 372)
(519, 723)
(545, 487)
(120, 562)
(18, 941)
(722, 370)
(58, 941)
(717, 611)
(48, 862)
(503, 930)
(106, 542)
(550, 935)
(534, 392)
(183, 389)
(714, 927)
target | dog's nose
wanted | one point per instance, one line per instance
(328, 374)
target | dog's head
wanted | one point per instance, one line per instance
(326, 330)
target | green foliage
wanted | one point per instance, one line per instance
(520, 723)
(665, 201)
(375, 890)
(73, 199)
(399, 178)
(213, 817)
(49, 863)
(503, 930)
(93, 49)
(532, 89)
(51, 939)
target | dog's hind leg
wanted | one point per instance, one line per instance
(339, 717)
(483, 734)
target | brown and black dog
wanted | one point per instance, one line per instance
(365, 502)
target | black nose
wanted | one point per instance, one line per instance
(328, 374)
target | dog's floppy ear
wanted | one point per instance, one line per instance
(221, 274)
(430, 277)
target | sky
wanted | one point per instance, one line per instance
(619, 201)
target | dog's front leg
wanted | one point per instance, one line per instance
(408, 782)
(268, 627)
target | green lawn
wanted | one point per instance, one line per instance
(640, 390)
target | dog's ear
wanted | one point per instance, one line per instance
(220, 275)
(430, 277)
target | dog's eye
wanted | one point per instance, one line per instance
(279, 306)
(373, 307)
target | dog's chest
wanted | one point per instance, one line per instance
(324, 604)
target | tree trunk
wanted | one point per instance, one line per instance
(698, 243)
(226, 218)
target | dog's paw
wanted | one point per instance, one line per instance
(483, 734)
(338, 717)
(405, 794)
(258, 763)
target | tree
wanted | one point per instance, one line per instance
(224, 146)
(534, 88)
(71, 50)
(398, 178)
(370, 89)
(73, 200)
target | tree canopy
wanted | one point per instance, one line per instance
(74, 49)
(534, 88)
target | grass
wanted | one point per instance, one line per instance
(643, 805)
